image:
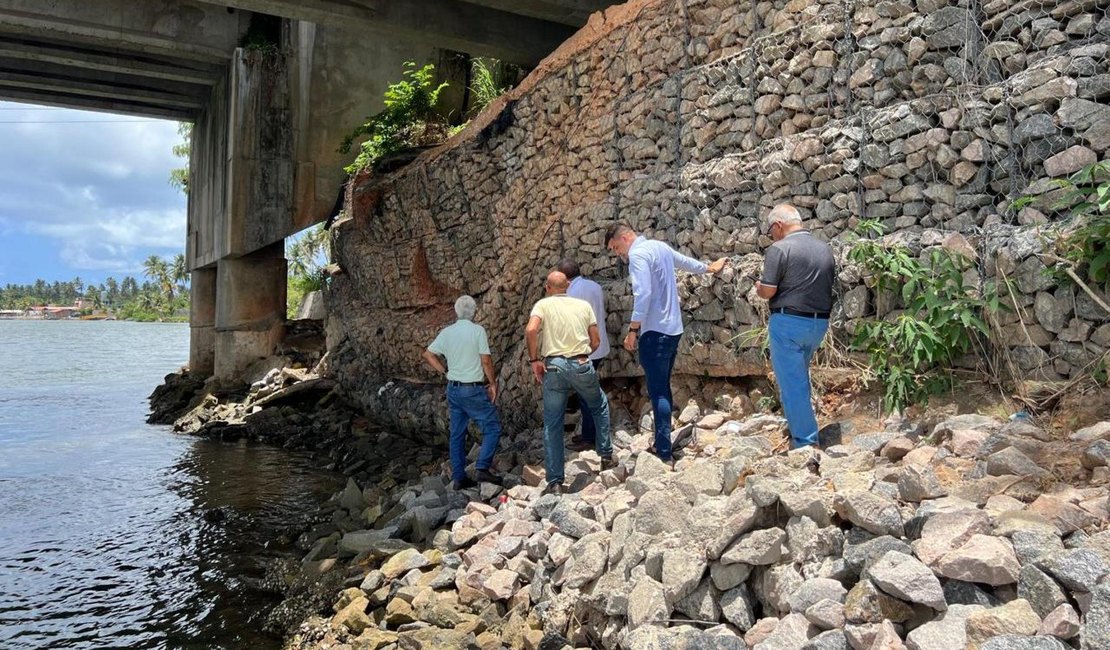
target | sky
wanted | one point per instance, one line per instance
(85, 194)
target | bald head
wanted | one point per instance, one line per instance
(556, 283)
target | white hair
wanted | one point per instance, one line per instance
(784, 213)
(465, 308)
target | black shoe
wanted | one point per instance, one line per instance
(814, 464)
(465, 484)
(553, 488)
(578, 444)
(607, 462)
(486, 476)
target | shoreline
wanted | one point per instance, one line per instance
(398, 556)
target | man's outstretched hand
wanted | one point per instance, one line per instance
(718, 266)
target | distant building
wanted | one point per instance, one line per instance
(8, 314)
(59, 313)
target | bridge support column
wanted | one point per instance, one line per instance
(202, 321)
(250, 310)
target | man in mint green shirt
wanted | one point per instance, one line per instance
(471, 391)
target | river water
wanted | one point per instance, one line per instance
(104, 538)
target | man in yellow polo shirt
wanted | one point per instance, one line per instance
(561, 333)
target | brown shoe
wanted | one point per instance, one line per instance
(553, 488)
(607, 462)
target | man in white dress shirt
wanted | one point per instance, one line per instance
(656, 324)
(590, 291)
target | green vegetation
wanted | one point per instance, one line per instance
(307, 255)
(164, 296)
(1082, 245)
(179, 177)
(409, 119)
(911, 352)
(485, 84)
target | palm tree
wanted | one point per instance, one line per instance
(305, 251)
(158, 270)
(179, 272)
(94, 295)
(147, 302)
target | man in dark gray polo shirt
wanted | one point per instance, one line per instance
(798, 275)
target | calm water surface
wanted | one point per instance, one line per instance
(104, 541)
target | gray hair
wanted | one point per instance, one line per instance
(465, 308)
(784, 213)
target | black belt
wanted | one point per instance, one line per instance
(452, 382)
(804, 314)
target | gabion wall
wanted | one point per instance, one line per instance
(689, 119)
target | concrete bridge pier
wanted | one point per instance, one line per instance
(250, 310)
(202, 321)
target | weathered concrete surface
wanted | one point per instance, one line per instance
(250, 310)
(158, 59)
(506, 32)
(202, 321)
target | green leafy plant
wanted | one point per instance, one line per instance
(179, 176)
(911, 353)
(1083, 245)
(766, 404)
(484, 84)
(409, 119)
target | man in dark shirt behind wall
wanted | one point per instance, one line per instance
(798, 275)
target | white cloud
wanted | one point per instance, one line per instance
(120, 231)
(100, 190)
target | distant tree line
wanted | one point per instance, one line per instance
(162, 295)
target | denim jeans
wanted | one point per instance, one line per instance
(794, 339)
(563, 376)
(468, 403)
(657, 355)
(589, 429)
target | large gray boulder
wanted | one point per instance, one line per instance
(906, 578)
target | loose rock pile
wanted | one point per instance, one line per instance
(967, 535)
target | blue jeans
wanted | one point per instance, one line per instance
(589, 429)
(794, 339)
(468, 403)
(657, 355)
(561, 377)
